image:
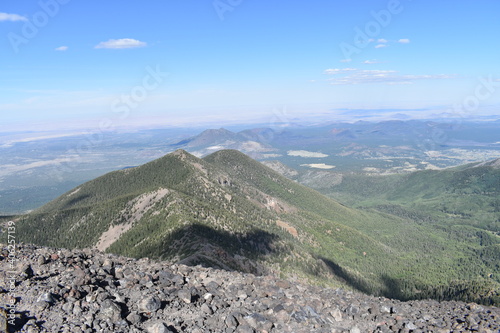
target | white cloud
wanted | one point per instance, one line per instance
(305, 153)
(12, 17)
(381, 76)
(61, 48)
(404, 41)
(382, 40)
(319, 166)
(7, 169)
(346, 60)
(10, 143)
(378, 46)
(124, 43)
(333, 71)
(371, 62)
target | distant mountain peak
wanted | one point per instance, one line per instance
(220, 130)
(209, 137)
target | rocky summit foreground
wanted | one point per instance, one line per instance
(57, 290)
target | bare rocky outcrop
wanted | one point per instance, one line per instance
(281, 168)
(59, 290)
(137, 208)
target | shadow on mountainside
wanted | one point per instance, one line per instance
(355, 282)
(255, 243)
(481, 292)
(476, 291)
(199, 244)
(225, 250)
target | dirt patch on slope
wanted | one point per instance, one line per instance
(291, 230)
(138, 207)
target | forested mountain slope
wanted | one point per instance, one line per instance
(229, 211)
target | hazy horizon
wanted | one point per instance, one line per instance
(71, 65)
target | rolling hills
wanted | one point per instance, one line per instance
(36, 169)
(467, 195)
(230, 211)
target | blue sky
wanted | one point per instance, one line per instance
(76, 64)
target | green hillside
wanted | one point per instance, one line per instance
(468, 195)
(229, 211)
(459, 206)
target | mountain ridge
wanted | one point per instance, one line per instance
(230, 211)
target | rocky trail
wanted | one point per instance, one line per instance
(58, 290)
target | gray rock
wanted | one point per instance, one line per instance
(231, 321)
(184, 295)
(87, 291)
(245, 329)
(149, 304)
(385, 308)
(134, 318)
(41, 260)
(110, 310)
(47, 298)
(206, 309)
(157, 327)
(336, 314)
(352, 310)
(411, 326)
(3, 320)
